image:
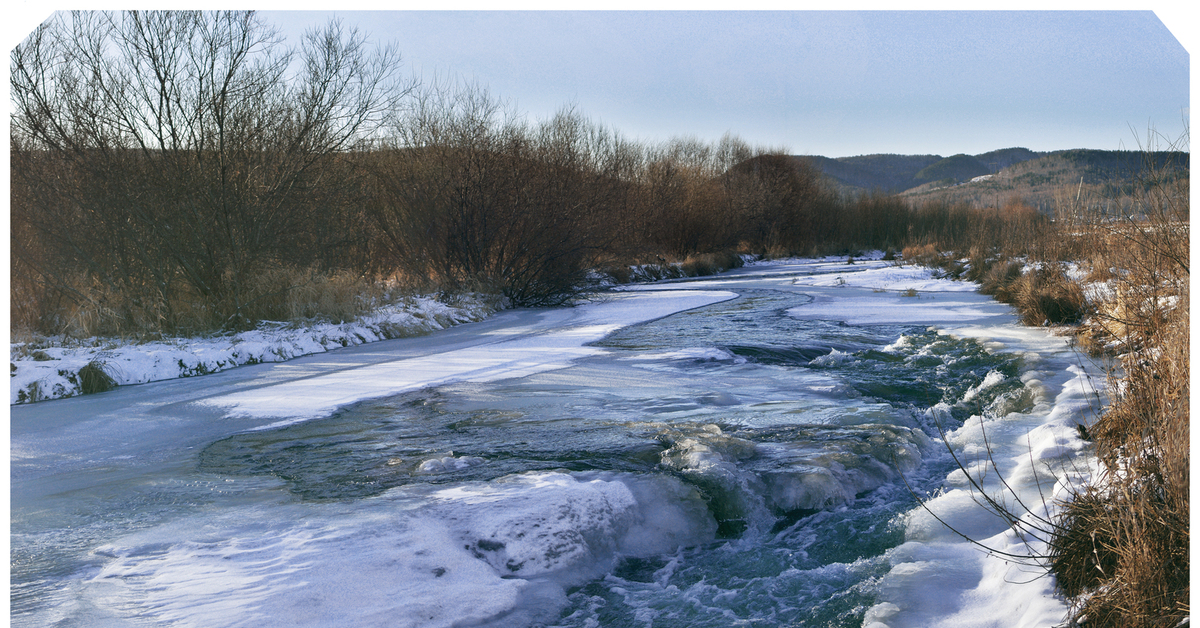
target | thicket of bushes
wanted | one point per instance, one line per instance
(181, 172)
(163, 162)
(1121, 545)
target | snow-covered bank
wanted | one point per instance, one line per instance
(313, 397)
(47, 370)
(940, 579)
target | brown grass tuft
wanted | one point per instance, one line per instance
(924, 255)
(999, 279)
(1045, 296)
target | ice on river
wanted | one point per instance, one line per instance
(739, 462)
(409, 558)
(319, 395)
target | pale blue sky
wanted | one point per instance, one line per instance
(826, 83)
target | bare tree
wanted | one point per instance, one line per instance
(471, 193)
(178, 153)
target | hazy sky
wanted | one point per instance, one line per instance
(827, 83)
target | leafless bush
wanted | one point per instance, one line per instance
(170, 156)
(1122, 546)
(470, 191)
(1044, 295)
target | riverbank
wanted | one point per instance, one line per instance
(55, 368)
(1119, 544)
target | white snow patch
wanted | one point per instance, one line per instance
(55, 375)
(887, 277)
(313, 397)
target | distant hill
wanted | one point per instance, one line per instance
(892, 174)
(1000, 159)
(887, 173)
(952, 170)
(1047, 181)
(994, 178)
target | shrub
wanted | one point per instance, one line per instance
(1082, 551)
(93, 378)
(999, 278)
(1046, 296)
(710, 263)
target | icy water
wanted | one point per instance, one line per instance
(749, 462)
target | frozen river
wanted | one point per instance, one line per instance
(732, 451)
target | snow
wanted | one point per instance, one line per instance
(313, 397)
(936, 579)
(52, 372)
(879, 292)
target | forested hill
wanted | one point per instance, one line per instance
(897, 173)
(1033, 177)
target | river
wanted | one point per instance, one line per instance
(747, 450)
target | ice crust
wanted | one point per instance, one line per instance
(455, 559)
(474, 553)
(318, 396)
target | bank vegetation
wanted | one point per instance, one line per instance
(183, 173)
(1118, 283)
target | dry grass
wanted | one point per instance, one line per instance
(1121, 545)
(924, 255)
(1045, 296)
(289, 294)
(278, 294)
(1124, 542)
(705, 264)
(999, 278)
(94, 378)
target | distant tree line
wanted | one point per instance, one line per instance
(179, 172)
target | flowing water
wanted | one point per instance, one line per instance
(734, 464)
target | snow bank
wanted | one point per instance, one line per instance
(39, 374)
(937, 579)
(875, 293)
(312, 397)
